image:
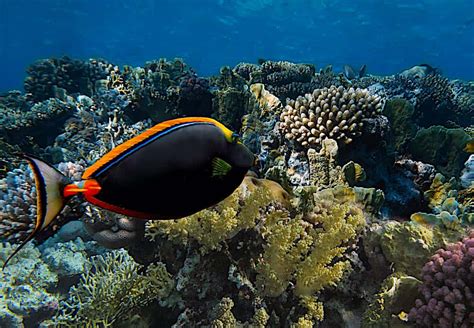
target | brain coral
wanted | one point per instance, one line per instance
(334, 112)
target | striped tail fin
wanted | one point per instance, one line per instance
(50, 201)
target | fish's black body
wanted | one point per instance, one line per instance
(171, 177)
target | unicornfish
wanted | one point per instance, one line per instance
(172, 170)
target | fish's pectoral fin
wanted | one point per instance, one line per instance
(220, 167)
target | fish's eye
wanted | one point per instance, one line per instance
(235, 137)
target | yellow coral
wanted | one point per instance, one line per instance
(210, 227)
(111, 289)
(305, 250)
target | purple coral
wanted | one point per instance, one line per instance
(448, 287)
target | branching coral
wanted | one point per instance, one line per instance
(111, 289)
(25, 286)
(447, 290)
(306, 251)
(73, 75)
(210, 227)
(333, 112)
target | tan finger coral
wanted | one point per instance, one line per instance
(334, 112)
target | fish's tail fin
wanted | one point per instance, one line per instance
(50, 199)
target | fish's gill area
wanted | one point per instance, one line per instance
(359, 213)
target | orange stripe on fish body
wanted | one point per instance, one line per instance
(139, 139)
(117, 209)
(88, 188)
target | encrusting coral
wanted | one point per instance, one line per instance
(334, 112)
(441, 147)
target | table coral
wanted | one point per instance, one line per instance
(447, 290)
(334, 112)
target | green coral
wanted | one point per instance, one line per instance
(400, 115)
(212, 226)
(448, 210)
(306, 251)
(409, 245)
(441, 147)
(396, 296)
(112, 289)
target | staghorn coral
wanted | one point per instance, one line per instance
(434, 100)
(447, 295)
(282, 78)
(45, 76)
(41, 122)
(112, 289)
(336, 113)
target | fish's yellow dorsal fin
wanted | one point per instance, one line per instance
(150, 133)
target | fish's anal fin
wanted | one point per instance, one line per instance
(220, 167)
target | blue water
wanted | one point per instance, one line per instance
(388, 36)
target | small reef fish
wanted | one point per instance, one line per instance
(172, 170)
(349, 72)
(469, 147)
(362, 70)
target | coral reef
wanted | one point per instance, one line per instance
(30, 285)
(441, 147)
(408, 245)
(74, 76)
(333, 112)
(393, 301)
(447, 296)
(353, 191)
(111, 289)
(400, 114)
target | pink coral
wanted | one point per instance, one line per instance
(448, 286)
